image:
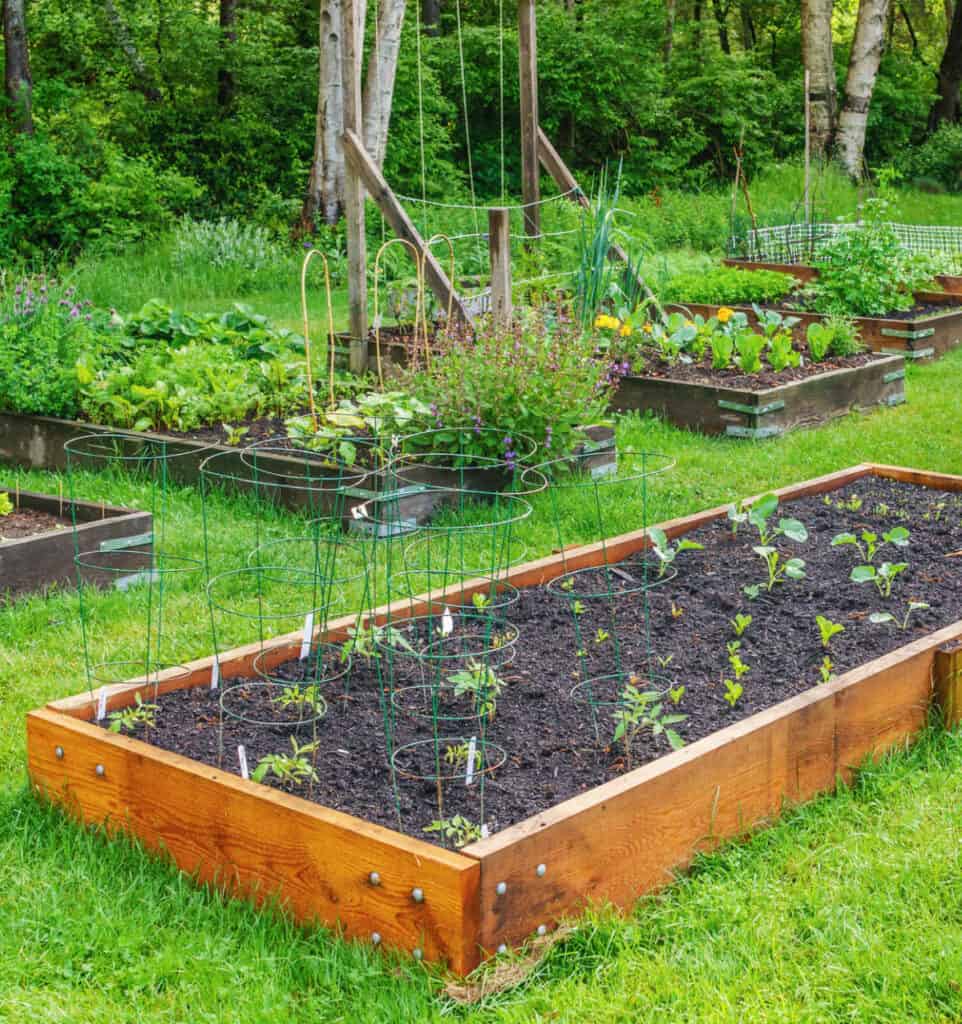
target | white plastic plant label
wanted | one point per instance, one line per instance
(307, 635)
(472, 754)
(447, 622)
(102, 704)
(215, 675)
(242, 761)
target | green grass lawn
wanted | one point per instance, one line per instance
(850, 910)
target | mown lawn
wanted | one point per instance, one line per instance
(850, 910)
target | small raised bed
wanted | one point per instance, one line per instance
(37, 541)
(951, 284)
(766, 411)
(610, 843)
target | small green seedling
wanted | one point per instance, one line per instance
(740, 623)
(482, 683)
(759, 515)
(827, 629)
(578, 607)
(676, 610)
(733, 692)
(458, 829)
(294, 767)
(307, 698)
(882, 617)
(601, 636)
(129, 718)
(734, 659)
(869, 544)
(481, 601)
(778, 571)
(6, 505)
(883, 577)
(457, 754)
(640, 710)
(665, 551)
(666, 661)
(568, 585)
(738, 514)
(825, 669)
(676, 693)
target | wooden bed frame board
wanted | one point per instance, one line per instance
(613, 843)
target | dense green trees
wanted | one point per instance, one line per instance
(144, 111)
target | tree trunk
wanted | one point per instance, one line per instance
(381, 71)
(721, 20)
(860, 83)
(948, 106)
(431, 17)
(143, 78)
(671, 9)
(748, 37)
(325, 188)
(818, 55)
(17, 81)
(228, 37)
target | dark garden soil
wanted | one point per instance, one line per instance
(544, 727)
(26, 522)
(701, 372)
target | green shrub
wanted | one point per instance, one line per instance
(728, 286)
(938, 159)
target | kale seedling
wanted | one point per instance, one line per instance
(665, 551)
(733, 692)
(129, 718)
(640, 710)
(458, 829)
(740, 623)
(897, 536)
(482, 683)
(883, 577)
(912, 606)
(827, 629)
(294, 767)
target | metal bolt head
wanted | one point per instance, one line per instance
(418, 953)
(58, 753)
(501, 888)
(376, 938)
(542, 929)
(417, 895)
(502, 949)
(100, 770)
(540, 870)
(374, 878)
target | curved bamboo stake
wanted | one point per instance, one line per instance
(307, 339)
(418, 302)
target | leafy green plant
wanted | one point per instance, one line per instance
(781, 353)
(6, 505)
(134, 715)
(761, 512)
(749, 347)
(827, 629)
(665, 551)
(836, 335)
(728, 286)
(640, 710)
(482, 683)
(883, 576)
(458, 829)
(722, 350)
(870, 544)
(302, 698)
(294, 768)
(734, 659)
(887, 617)
(740, 623)
(778, 570)
(733, 692)
(825, 669)
(457, 754)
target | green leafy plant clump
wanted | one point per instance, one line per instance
(728, 286)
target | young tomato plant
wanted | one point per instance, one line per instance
(307, 698)
(640, 710)
(294, 767)
(458, 829)
(129, 718)
(482, 683)
(827, 629)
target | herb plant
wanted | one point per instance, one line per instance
(733, 692)
(740, 623)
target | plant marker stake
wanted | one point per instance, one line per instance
(242, 759)
(306, 638)
(102, 704)
(472, 750)
(447, 622)
(215, 675)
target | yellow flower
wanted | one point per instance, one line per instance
(647, 328)
(689, 323)
(601, 320)
(625, 330)
(605, 321)
(725, 314)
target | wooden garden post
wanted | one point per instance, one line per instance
(528, 69)
(499, 248)
(947, 678)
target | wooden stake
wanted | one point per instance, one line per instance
(499, 248)
(808, 149)
(947, 681)
(528, 70)
(353, 189)
(363, 169)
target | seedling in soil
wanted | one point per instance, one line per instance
(640, 710)
(457, 754)
(458, 829)
(827, 629)
(666, 661)
(676, 693)
(759, 515)
(882, 617)
(294, 767)
(482, 683)
(6, 505)
(852, 504)
(129, 718)
(733, 692)
(825, 669)
(740, 623)
(234, 434)
(778, 571)
(883, 577)
(676, 611)
(734, 659)
(481, 601)
(738, 514)
(568, 585)
(665, 551)
(601, 636)
(307, 698)
(870, 543)
(363, 640)
(578, 607)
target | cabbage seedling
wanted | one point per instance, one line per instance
(870, 542)
(883, 577)
(913, 606)
(778, 571)
(665, 551)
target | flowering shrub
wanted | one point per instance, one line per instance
(532, 380)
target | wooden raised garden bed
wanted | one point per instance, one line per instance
(951, 284)
(767, 412)
(37, 551)
(608, 843)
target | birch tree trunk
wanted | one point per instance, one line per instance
(948, 106)
(818, 55)
(860, 83)
(381, 73)
(18, 84)
(325, 188)
(228, 36)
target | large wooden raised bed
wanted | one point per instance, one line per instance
(611, 843)
(740, 412)
(47, 559)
